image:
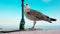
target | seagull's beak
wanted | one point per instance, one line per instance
(24, 4)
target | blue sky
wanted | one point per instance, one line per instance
(10, 11)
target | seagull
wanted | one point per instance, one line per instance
(35, 15)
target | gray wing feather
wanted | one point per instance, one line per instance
(36, 14)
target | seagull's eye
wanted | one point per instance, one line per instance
(28, 12)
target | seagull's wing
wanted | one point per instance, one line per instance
(36, 14)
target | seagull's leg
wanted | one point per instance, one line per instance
(34, 24)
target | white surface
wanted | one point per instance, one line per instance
(37, 32)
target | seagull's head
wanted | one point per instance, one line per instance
(26, 6)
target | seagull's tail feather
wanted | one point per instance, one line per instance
(52, 19)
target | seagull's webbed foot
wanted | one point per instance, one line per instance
(31, 28)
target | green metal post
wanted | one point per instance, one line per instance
(22, 23)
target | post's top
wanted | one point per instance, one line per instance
(22, 0)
